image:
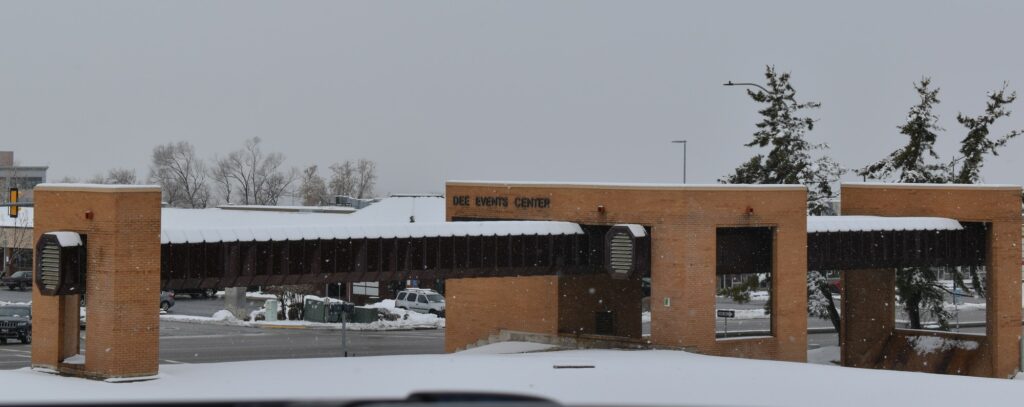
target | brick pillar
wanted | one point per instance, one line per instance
(122, 229)
(869, 315)
(1003, 298)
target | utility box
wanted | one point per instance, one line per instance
(272, 306)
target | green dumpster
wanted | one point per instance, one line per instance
(313, 310)
(363, 315)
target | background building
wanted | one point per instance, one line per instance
(22, 177)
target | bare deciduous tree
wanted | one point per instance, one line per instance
(121, 176)
(180, 174)
(342, 179)
(366, 178)
(257, 177)
(356, 180)
(313, 189)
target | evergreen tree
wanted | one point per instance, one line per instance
(917, 288)
(782, 130)
(976, 145)
(907, 164)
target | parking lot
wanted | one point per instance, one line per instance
(198, 343)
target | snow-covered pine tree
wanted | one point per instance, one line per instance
(782, 130)
(907, 164)
(975, 146)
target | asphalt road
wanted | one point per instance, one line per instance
(196, 343)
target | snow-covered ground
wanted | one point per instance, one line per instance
(601, 377)
(406, 320)
(255, 295)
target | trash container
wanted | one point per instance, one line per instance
(313, 310)
(363, 315)
(334, 312)
(271, 306)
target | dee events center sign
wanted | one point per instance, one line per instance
(501, 201)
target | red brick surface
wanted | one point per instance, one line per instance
(683, 222)
(999, 355)
(122, 281)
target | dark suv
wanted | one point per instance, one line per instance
(20, 280)
(16, 323)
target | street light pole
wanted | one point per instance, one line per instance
(730, 83)
(683, 142)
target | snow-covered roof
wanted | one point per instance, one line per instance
(424, 209)
(821, 224)
(290, 208)
(632, 185)
(24, 219)
(366, 231)
(894, 185)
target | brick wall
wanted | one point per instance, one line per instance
(998, 205)
(478, 307)
(580, 297)
(122, 281)
(683, 222)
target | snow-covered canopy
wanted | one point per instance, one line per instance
(821, 224)
(396, 217)
(367, 231)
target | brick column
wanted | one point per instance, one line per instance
(122, 229)
(869, 315)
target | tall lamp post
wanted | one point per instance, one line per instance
(683, 142)
(730, 83)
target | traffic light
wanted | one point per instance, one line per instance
(12, 211)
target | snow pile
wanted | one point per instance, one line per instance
(757, 313)
(669, 378)
(825, 355)
(760, 296)
(388, 304)
(224, 315)
(924, 345)
(254, 295)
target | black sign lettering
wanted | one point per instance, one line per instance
(489, 201)
(527, 203)
(460, 200)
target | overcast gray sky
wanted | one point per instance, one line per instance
(561, 91)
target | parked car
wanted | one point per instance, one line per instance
(16, 323)
(198, 292)
(421, 300)
(166, 300)
(21, 280)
